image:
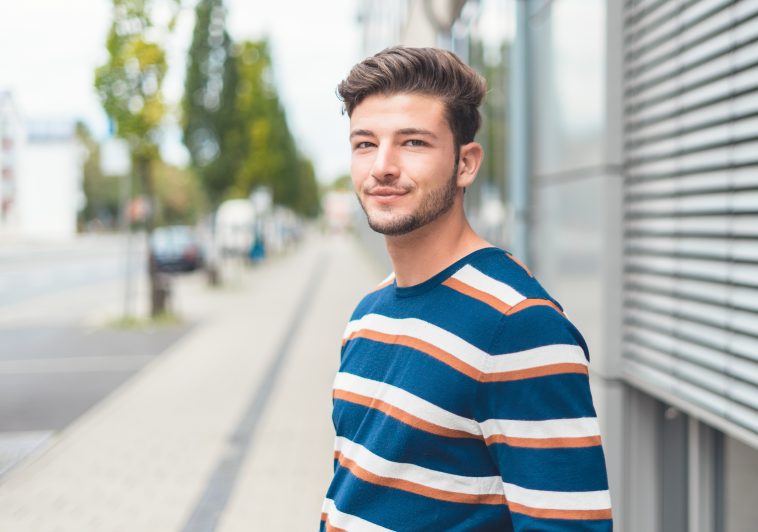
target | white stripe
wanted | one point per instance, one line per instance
(424, 331)
(417, 474)
(497, 289)
(551, 428)
(405, 401)
(558, 500)
(348, 521)
(545, 355)
(464, 351)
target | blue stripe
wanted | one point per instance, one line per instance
(524, 522)
(403, 510)
(411, 370)
(562, 396)
(371, 428)
(534, 327)
(572, 469)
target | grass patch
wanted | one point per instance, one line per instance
(164, 319)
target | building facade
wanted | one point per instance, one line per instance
(623, 142)
(49, 188)
(40, 175)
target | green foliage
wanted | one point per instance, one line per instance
(307, 194)
(270, 155)
(235, 127)
(210, 124)
(343, 182)
(101, 192)
(179, 194)
(129, 83)
(493, 134)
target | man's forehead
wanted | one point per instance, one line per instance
(400, 113)
(416, 131)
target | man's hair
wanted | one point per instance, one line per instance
(428, 71)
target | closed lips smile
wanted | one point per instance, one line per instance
(384, 196)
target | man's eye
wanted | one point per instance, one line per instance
(415, 142)
(363, 145)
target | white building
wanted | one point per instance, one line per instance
(49, 184)
(632, 156)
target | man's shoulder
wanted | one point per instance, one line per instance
(528, 315)
(501, 280)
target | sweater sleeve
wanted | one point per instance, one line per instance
(535, 411)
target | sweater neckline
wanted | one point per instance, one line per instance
(438, 278)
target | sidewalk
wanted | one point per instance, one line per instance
(228, 430)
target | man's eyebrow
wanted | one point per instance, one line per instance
(360, 133)
(416, 131)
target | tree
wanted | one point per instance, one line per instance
(307, 194)
(343, 182)
(179, 194)
(270, 155)
(129, 86)
(210, 125)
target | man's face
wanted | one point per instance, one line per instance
(404, 165)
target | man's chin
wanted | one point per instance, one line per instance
(393, 227)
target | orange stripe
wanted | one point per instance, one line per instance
(496, 303)
(544, 513)
(533, 302)
(514, 259)
(484, 297)
(419, 489)
(329, 526)
(545, 443)
(531, 373)
(419, 345)
(470, 371)
(401, 415)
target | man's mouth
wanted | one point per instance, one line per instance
(386, 192)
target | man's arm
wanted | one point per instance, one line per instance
(536, 414)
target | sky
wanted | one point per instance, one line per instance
(49, 50)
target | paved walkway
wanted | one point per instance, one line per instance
(228, 430)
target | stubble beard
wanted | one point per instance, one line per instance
(434, 205)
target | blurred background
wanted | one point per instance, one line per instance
(180, 247)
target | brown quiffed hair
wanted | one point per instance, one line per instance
(429, 71)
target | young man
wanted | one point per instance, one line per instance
(462, 400)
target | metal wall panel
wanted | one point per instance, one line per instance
(691, 206)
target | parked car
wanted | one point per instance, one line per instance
(176, 248)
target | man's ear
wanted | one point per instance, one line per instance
(470, 160)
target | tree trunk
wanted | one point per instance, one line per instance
(160, 284)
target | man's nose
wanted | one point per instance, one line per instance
(385, 167)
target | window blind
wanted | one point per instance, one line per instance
(691, 205)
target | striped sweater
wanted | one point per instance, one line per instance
(463, 403)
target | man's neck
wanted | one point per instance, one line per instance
(421, 254)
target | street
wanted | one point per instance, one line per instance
(227, 428)
(58, 354)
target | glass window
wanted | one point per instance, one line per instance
(489, 49)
